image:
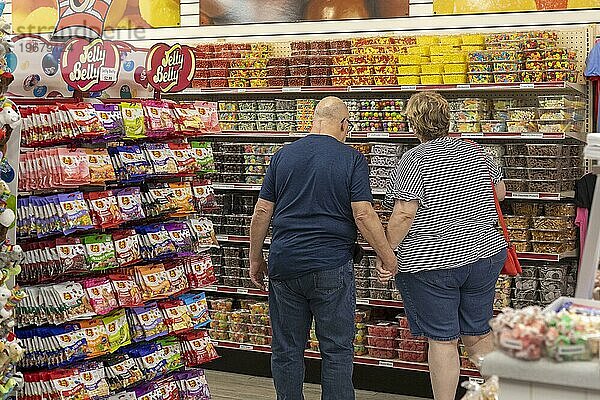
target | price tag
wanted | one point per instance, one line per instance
(524, 195)
(108, 74)
(246, 347)
(225, 187)
(527, 85)
(471, 135)
(242, 291)
(210, 288)
(388, 364)
(479, 381)
(411, 88)
(291, 90)
(536, 135)
(242, 90)
(359, 88)
(463, 86)
(378, 135)
(216, 344)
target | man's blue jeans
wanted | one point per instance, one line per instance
(329, 297)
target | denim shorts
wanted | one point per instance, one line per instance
(444, 304)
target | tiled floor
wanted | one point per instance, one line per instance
(226, 386)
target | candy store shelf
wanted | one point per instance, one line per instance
(236, 186)
(380, 303)
(238, 290)
(362, 360)
(546, 257)
(540, 195)
(485, 87)
(238, 239)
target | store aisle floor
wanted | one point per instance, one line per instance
(226, 386)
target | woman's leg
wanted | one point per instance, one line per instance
(444, 368)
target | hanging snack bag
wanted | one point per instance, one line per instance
(197, 348)
(153, 281)
(210, 116)
(192, 385)
(184, 156)
(129, 201)
(94, 380)
(66, 384)
(133, 120)
(161, 157)
(100, 252)
(181, 236)
(150, 358)
(126, 290)
(96, 337)
(162, 199)
(71, 253)
(177, 277)
(73, 167)
(104, 209)
(198, 309)
(101, 295)
(176, 315)
(168, 388)
(203, 232)
(74, 300)
(204, 195)
(158, 118)
(133, 162)
(122, 372)
(184, 198)
(87, 124)
(127, 247)
(204, 157)
(149, 322)
(200, 271)
(117, 328)
(100, 166)
(157, 241)
(74, 212)
(111, 119)
(173, 353)
(188, 119)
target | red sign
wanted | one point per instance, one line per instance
(170, 69)
(90, 66)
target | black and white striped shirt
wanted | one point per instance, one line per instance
(456, 221)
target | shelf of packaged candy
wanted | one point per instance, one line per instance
(385, 343)
(388, 61)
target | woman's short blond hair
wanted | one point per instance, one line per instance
(429, 115)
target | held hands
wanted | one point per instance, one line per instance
(258, 272)
(387, 269)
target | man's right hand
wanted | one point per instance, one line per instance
(258, 272)
(386, 269)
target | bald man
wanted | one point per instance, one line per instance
(317, 193)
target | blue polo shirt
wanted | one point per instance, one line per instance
(313, 182)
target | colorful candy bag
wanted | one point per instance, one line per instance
(130, 162)
(71, 253)
(127, 247)
(150, 358)
(159, 121)
(94, 379)
(148, 322)
(192, 385)
(181, 236)
(74, 212)
(172, 351)
(101, 295)
(197, 348)
(130, 203)
(85, 120)
(100, 167)
(104, 209)
(67, 384)
(209, 115)
(126, 290)
(176, 315)
(200, 271)
(100, 252)
(168, 388)
(118, 329)
(203, 232)
(188, 119)
(184, 199)
(204, 157)
(96, 337)
(160, 199)
(161, 157)
(177, 277)
(111, 119)
(204, 195)
(122, 371)
(197, 308)
(73, 167)
(156, 243)
(153, 281)
(74, 300)
(133, 120)
(184, 156)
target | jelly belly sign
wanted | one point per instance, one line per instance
(170, 69)
(90, 66)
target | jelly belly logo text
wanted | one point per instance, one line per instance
(170, 69)
(90, 66)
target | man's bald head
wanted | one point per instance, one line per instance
(331, 118)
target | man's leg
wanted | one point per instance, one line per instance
(478, 346)
(444, 368)
(333, 304)
(290, 321)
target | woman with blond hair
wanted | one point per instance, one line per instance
(449, 251)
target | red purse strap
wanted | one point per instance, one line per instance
(501, 220)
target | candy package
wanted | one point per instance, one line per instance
(200, 271)
(71, 253)
(520, 333)
(133, 120)
(176, 315)
(100, 252)
(181, 236)
(156, 242)
(150, 358)
(94, 379)
(192, 385)
(99, 165)
(147, 322)
(101, 295)
(177, 277)
(127, 292)
(183, 197)
(203, 232)
(111, 119)
(66, 384)
(127, 247)
(197, 348)
(153, 281)
(73, 167)
(161, 157)
(117, 328)
(130, 162)
(172, 351)
(104, 209)
(210, 116)
(74, 300)
(159, 199)
(158, 118)
(204, 195)
(188, 119)
(204, 157)
(122, 371)
(74, 212)
(85, 120)
(197, 308)
(96, 337)
(184, 156)
(130, 203)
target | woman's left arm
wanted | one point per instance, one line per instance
(401, 221)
